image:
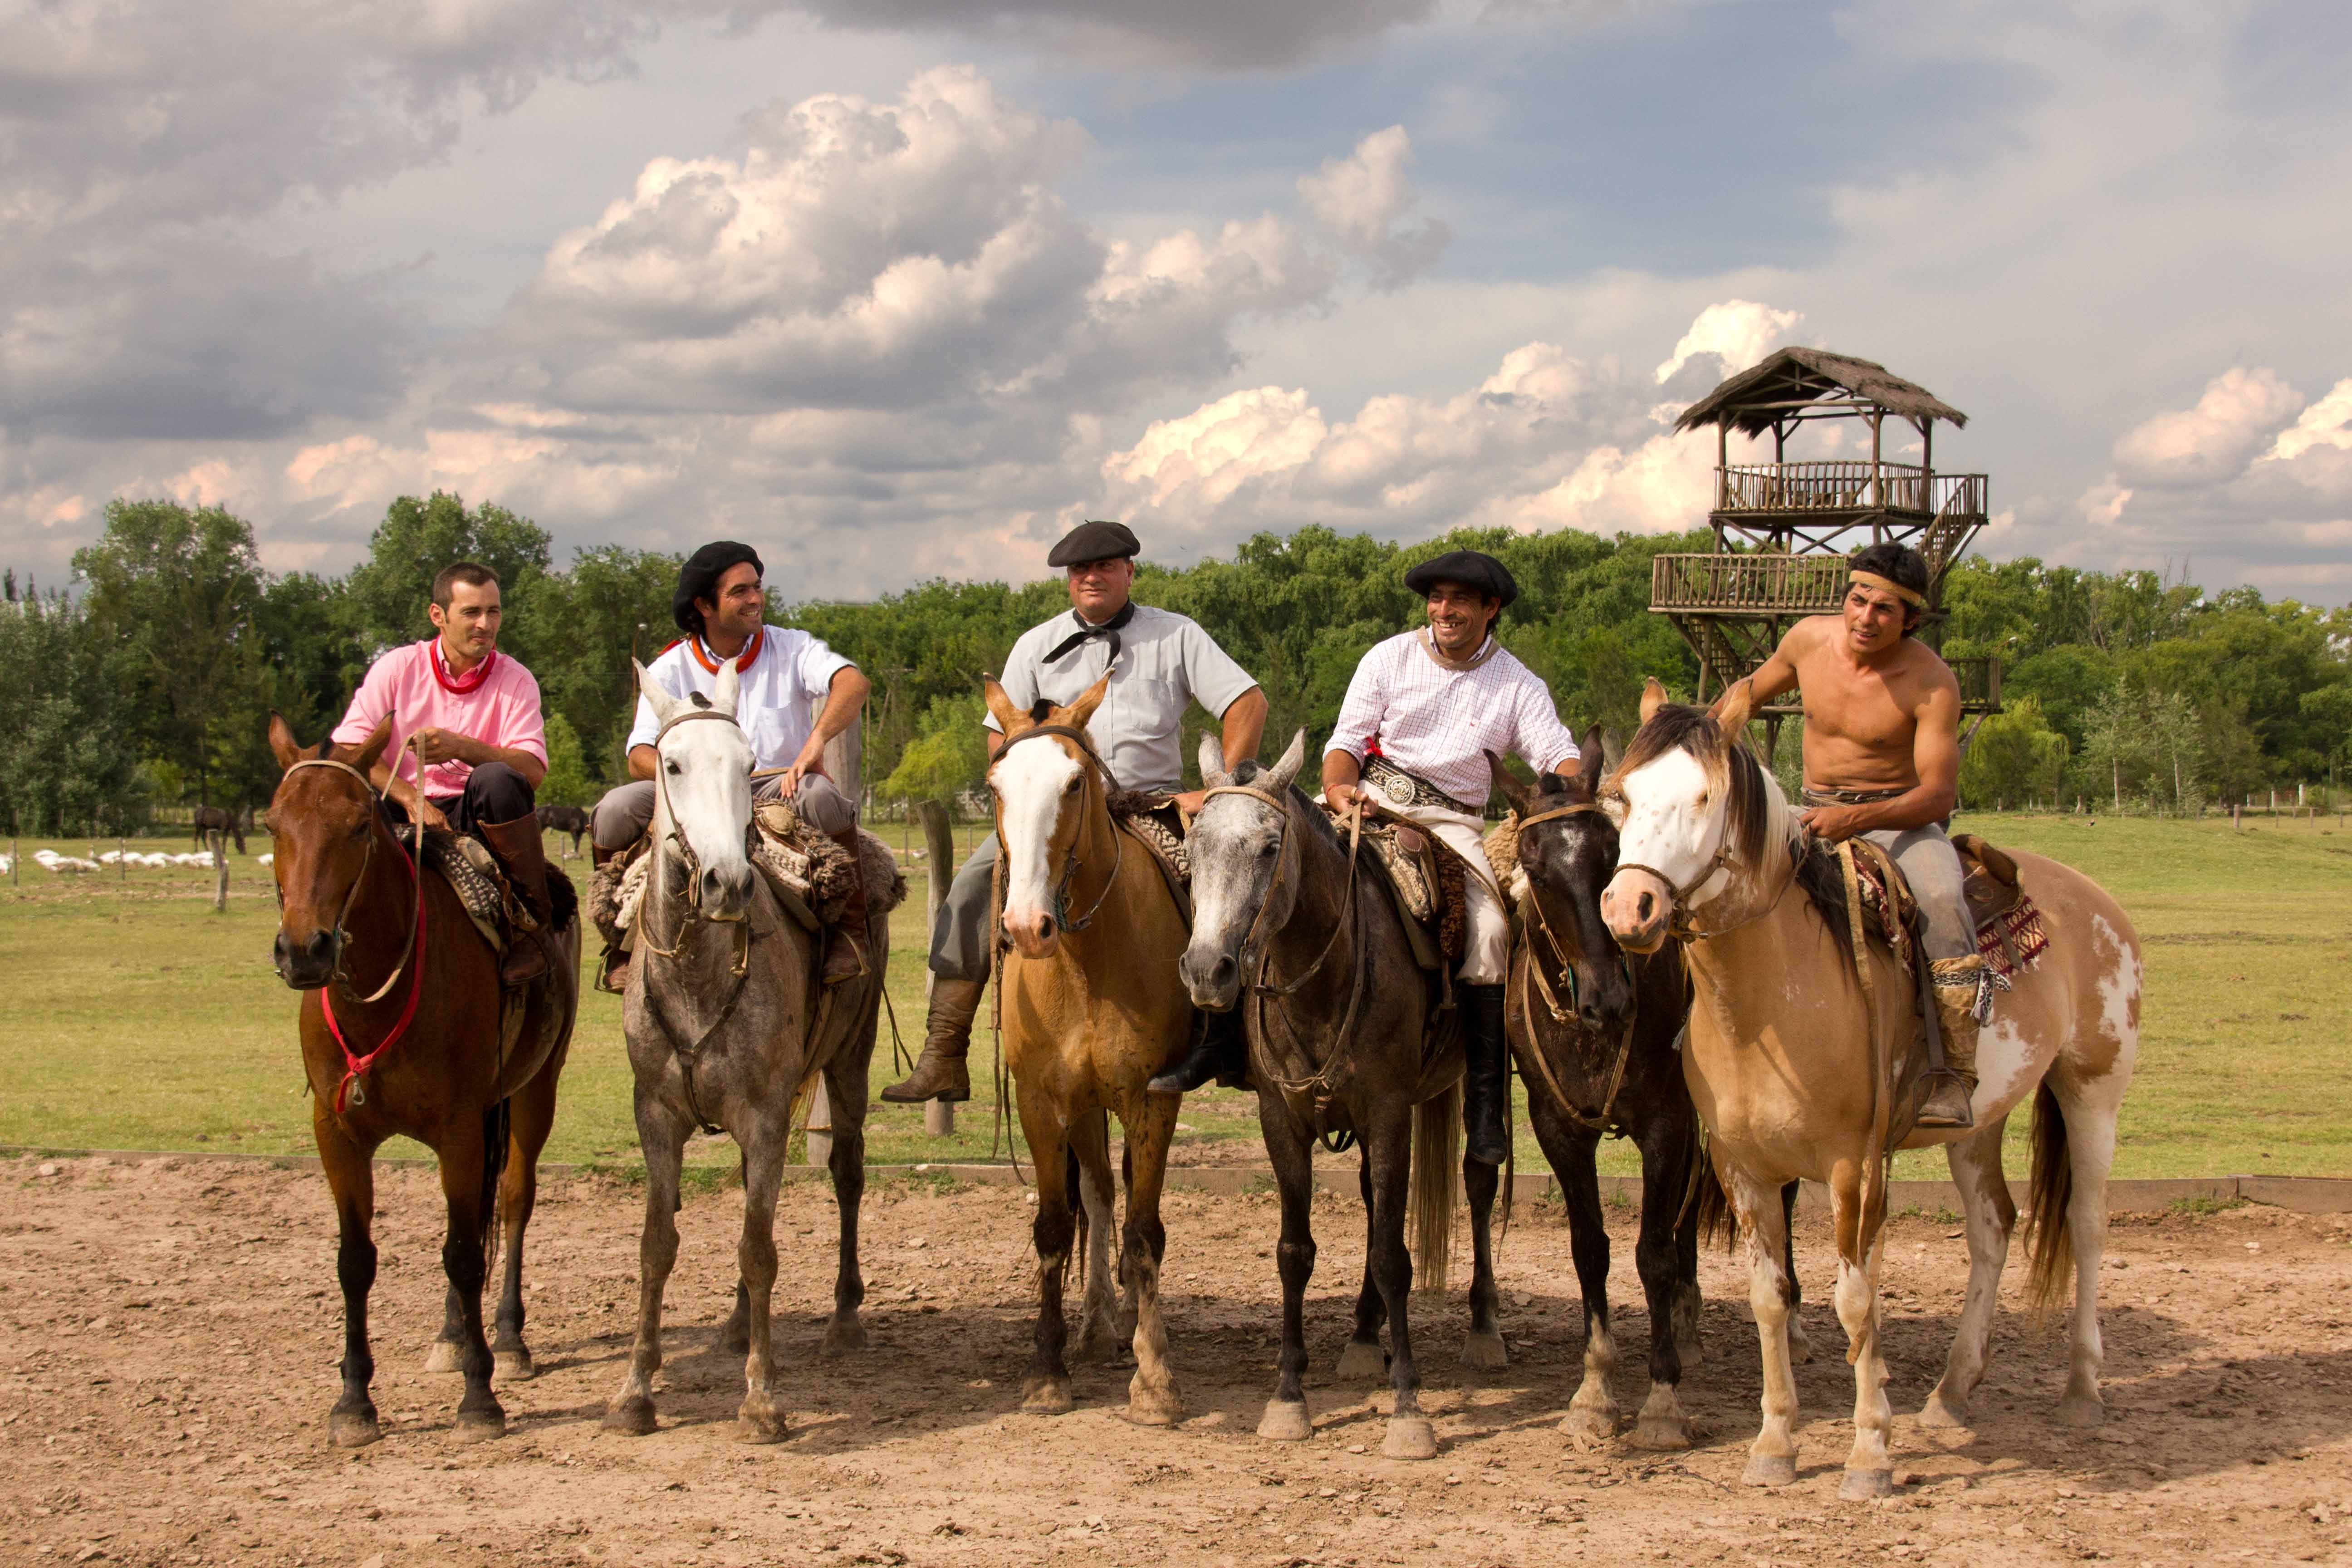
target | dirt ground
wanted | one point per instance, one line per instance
(169, 1334)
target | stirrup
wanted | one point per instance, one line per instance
(1946, 1120)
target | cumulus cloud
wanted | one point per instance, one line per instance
(1739, 332)
(1362, 197)
(2237, 417)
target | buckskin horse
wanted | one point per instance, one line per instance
(405, 1032)
(726, 1027)
(1298, 927)
(1792, 1059)
(1092, 1008)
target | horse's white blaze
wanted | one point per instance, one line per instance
(1031, 783)
(1664, 827)
(705, 788)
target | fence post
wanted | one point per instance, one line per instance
(122, 859)
(219, 842)
(938, 848)
(820, 1126)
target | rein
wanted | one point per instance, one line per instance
(355, 1066)
(1070, 861)
(1535, 972)
(740, 966)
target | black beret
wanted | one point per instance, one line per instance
(1095, 541)
(1469, 567)
(698, 579)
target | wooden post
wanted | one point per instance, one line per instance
(14, 860)
(820, 1126)
(122, 859)
(938, 848)
(220, 870)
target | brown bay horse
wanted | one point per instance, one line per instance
(1794, 1055)
(1306, 939)
(1092, 1007)
(389, 961)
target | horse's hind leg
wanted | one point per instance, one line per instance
(845, 1083)
(464, 1259)
(1364, 1360)
(664, 1144)
(533, 1119)
(1800, 1343)
(760, 1419)
(1763, 1221)
(1047, 1389)
(1410, 1436)
(1099, 1336)
(1286, 1419)
(1152, 1399)
(1869, 1468)
(2087, 1130)
(350, 1178)
(1483, 1347)
(1666, 1154)
(1991, 1217)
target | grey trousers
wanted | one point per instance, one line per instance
(960, 945)
(623, 815)
(1932, 867)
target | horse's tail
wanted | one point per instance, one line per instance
(1435, 1186)
(1074, 1180)
(2051, 1185)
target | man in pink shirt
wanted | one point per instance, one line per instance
(468, 747)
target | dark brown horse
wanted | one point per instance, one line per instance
(220, 819)
(415, 999)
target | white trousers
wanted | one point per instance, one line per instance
(1487, 946)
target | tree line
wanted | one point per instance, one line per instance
(150, 682)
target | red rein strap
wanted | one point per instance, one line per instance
(354, 1065)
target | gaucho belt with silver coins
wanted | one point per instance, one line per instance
(1400, 788)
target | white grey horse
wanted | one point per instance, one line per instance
(726, 1024)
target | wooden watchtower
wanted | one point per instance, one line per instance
(1785, 530)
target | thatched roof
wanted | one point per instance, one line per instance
(1753, 400)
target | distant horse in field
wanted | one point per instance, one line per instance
(569, 820)
(220, 819)
(405, 1031)
(1798, 1058)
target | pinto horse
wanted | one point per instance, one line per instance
(1793, 1062)
(401, 1033)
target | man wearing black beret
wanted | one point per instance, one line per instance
(1421, 714)
(721, 607)
(1159, 663)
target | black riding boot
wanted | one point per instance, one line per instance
(1486, 1075)
(1218, 1051)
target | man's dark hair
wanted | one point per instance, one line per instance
(473, 574)
(1896, 563)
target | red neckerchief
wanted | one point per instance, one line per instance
(744, 661)
(464, 685)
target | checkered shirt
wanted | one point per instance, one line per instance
(1439, 723)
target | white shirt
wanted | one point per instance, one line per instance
(1438, 723)
(793, 671)
(1165, 660)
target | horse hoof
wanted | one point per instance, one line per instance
(1410, 1437)
(1770, 1471)
(1154, 1407)
(482, 1425)
(352, 1429)
(1589, 1429)
(515, 1366)
(1095, 1348)
(1863, 1486)
(1661, 1435)
(445, 1357)
(1047, 1396)
(1362, 1361)
(1941, 1412)
(1484, 1352)
(1286, 1421)
(842, 1335)
(2081, 1410)
(758, 1423)
(633, 1417)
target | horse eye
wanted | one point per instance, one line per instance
(1266, 851)
(673, 767)
(1072, 787)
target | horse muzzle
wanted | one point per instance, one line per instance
(724, 893)
(1636, 907)
(1032, 932)
(1212, 980)
(307, 965)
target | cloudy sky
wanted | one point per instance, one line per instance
(897, 288)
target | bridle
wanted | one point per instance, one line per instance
(740, 967)
(1678, 926)
(1070, 861)
(1598, 1122)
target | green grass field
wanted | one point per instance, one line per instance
(139, 1019)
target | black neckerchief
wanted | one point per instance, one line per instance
(1087, 632)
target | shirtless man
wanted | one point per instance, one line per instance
(1883, 762)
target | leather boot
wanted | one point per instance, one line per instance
(1218, 1052)
(1485, 1077)
(940, 1073)
(846, 940)
(1962, 997)
(613, 973)
(523, 853)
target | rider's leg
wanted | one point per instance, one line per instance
(1485, 959)
(1932, 867)
(619, 820)
(496, 807)
(961, 943)
(820, 804)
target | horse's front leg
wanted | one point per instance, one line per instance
(1152, 1399)
(1047, 1389)
(350, 1178)
(1991, 1215)
(1099, 1335)
(761, 1419)
(662, 1137)
(846, 1092)
(1592, 1414)
(463, 1258)
(1288, 1149)
(1483, 1347)
(533, 1120)
(1364, 1360)
(1390, 1138)
(1772, 1458)
(1869, 1468)
(1666, 1154)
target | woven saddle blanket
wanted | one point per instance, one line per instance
(2009, 926)
(480, 883)
(810, 875)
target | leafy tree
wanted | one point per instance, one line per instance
(2015, 756)
(417, 539)
(68, 754)
(567, 781)
(946, 757)
(580, 626)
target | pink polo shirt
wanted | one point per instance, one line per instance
(407, 683)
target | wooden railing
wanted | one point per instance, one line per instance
(1794, 585)
(1847, 486)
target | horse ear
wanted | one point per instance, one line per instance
(1076, 714)
(1212, 762)
(728, 688)
(1653, 696)
(1592, 760)
(282, 744)
(1010, 721)
(1731, 709)
(1513, 790)
(1277, 777)
(371, 749)
(661, 701)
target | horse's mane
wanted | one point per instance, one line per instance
(1319, 821)
(1675, 727)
